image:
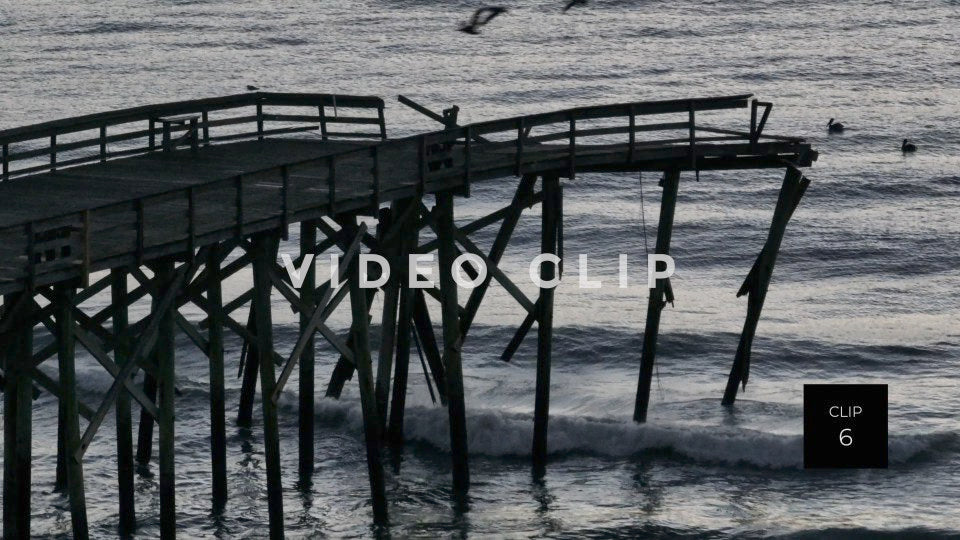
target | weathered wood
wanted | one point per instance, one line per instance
(361, 353)
(524, 190)
(71, 418)
(250, 369)
(265, 254)
(166, 381)
(388, 321)
(758, 280)
(407, 241)
(451, 343)
(145, 431)
(548, 244)
(18, 430)
(308, 293)
(124, 420)
(428, 342)
(218, 428)
(671, 182)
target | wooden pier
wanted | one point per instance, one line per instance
(177, 198)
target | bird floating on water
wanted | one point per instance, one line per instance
(834, 127)
(481, 17)
(252, 88)
(573, 3)
(908, 147)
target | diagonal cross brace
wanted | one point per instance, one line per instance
(146, 341)
(324, 308)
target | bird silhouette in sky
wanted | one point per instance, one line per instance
(252, 88)
(481, 17)
(573, 3)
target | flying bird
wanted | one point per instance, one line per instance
(481, 17)
(573, 3)
(907, 147)
(834, 127)
(252, 88)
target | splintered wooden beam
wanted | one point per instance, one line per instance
(758, 279)
(671, 182)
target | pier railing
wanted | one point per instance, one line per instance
(123, 133)
(672, 132)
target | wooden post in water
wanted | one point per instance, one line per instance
(364, 367)
(17, 421)
(388, 322)
(264, 257)
(166, 360)
(308, 297)
(446, 235)
(548, 271)
(251, 371)
(671, 182)
(409, 234)
(758, 280)
(66, 348)
(218, 427)
(125, 468)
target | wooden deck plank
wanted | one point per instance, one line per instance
(109, 190)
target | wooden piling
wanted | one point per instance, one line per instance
(409, 234)
(125, 467)
(145, 432)
(548, 244)
(758, 280)
(446, 234)
(361, 355)
(251, 372)
(388, 321)
(218, 427)
(165, 353)
(308, 297)
(265, 249)
(66, 349)
(671, 182)
(18, 429)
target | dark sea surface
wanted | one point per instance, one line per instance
(866, 289)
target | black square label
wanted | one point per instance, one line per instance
(845, 426)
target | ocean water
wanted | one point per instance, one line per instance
(866, 289)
